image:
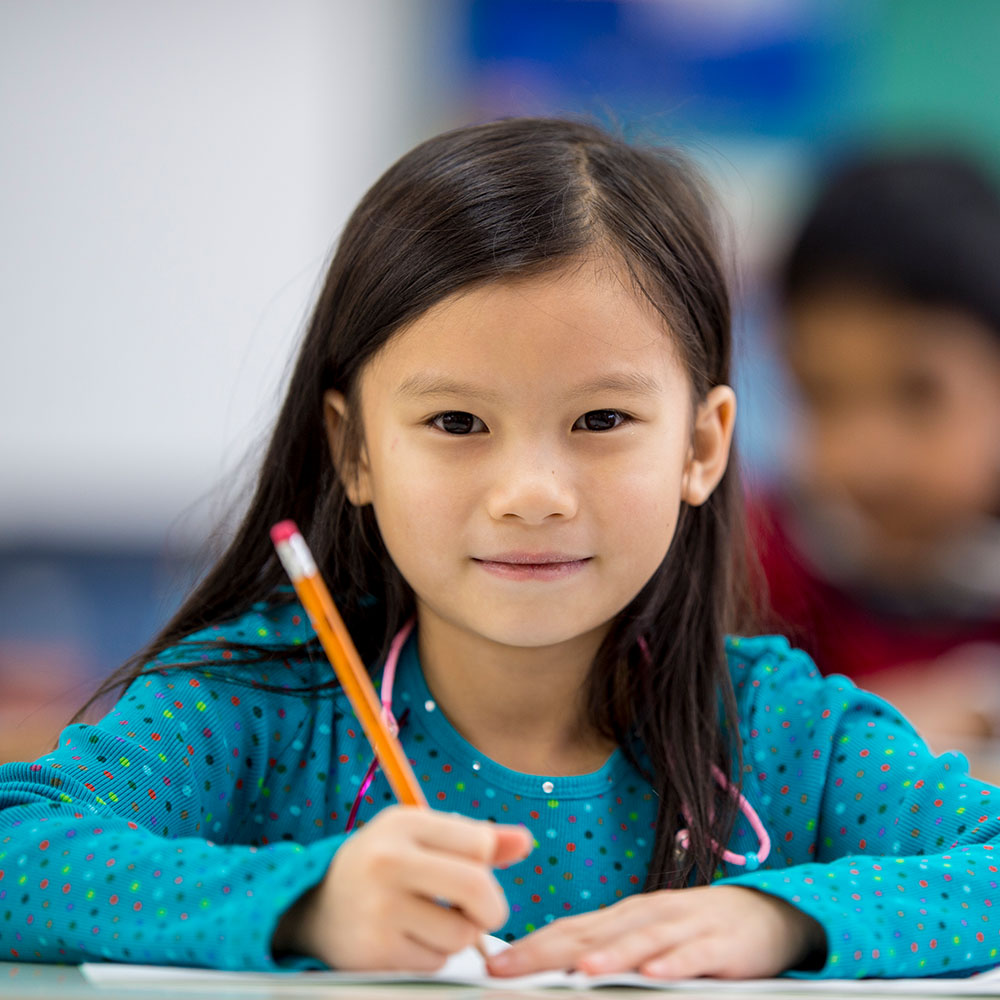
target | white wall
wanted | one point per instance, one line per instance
(171, 179)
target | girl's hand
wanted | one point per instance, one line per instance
(379, 904)
(724, 931)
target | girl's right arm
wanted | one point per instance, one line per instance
(104, 843)
(105, 851)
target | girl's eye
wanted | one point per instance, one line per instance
(458, 422)
(600, 420)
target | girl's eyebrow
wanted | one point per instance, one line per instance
(429, 384)
(635, 382)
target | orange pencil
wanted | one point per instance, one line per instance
(336, 640)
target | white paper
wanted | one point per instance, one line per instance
(467, 968)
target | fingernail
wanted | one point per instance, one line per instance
(503, 960)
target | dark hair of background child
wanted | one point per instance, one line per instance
(515, 198)
(920, 226)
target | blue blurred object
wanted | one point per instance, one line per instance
(69, 617)
(104, 604)
(774, 68)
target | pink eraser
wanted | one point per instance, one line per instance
(282, 531)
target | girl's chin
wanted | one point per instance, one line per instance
(520, 625)
(519, 635)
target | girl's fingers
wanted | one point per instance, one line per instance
(556, 946)
(470, 838)
(630, 950)
(464, 884)
(564, 942)
(724, 931)
(436, 927)
(701, 955)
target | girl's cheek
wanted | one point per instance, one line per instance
(646, 496)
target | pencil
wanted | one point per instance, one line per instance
(339, 648)
(343, 656)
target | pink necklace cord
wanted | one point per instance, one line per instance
(389, 672)
(750, 860)
(385, 697)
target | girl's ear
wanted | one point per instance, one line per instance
(711, 439)
(351, 470)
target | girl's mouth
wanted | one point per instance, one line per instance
(533, 565)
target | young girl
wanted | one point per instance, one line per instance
(507, 441)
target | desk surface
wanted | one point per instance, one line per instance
(23, 980)
(20, 981)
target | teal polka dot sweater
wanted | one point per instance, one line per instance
(180, 827)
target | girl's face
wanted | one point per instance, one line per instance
(527, 446)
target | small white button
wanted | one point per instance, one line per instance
(429, 705)
(476, 765)
(548, 787)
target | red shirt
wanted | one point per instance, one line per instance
(844, 632)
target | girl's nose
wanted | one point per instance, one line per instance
(531, 490)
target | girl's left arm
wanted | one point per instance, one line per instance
(888, 847)
(881, 860)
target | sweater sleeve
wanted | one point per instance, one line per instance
(123, 843)
(885, 844)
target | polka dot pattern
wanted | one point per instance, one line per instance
(180, 827)
(887, 846)
(593, 833)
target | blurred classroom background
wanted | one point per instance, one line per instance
(173, 178)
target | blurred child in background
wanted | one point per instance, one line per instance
(883, 552)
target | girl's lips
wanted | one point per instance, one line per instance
(533, 566)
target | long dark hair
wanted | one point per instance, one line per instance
(519, 197)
